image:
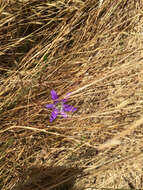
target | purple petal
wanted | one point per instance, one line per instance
(54, 95)
(64, 100)
(64, 114)
(54, 115)
(68, 108)
(49, 106)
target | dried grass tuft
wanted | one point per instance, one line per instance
(92, 49)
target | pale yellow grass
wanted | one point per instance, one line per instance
(92, 49)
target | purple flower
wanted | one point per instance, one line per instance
(59, 107)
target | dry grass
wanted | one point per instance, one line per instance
(92, 49)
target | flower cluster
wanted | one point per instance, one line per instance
(59, 107)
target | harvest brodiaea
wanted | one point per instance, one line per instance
(59, 107)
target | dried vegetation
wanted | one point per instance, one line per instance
(92, 49)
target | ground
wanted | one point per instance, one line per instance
(93, 50)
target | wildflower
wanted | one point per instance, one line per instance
(59, 107)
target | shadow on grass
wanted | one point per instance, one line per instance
(48, 178)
